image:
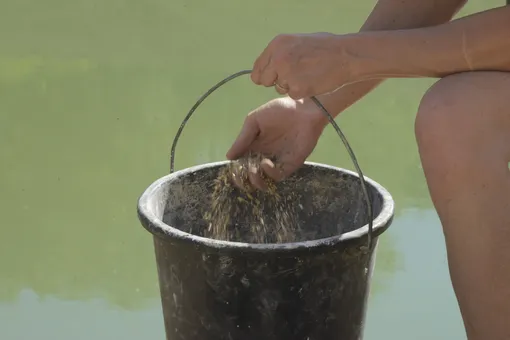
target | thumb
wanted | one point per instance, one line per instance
(249, 132)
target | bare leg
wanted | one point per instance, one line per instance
(463, 134)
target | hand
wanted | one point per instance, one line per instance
(282, 128)
(304, 65)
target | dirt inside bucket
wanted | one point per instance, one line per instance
(240, 213)
(314, 202)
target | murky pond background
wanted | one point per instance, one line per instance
(91, 95)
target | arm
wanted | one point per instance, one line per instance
(479, 42)
(391, 15)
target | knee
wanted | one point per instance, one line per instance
(443, 142)
(447, 132)
(466, 110)
(452, 118)
(462, 128)
(438, 116)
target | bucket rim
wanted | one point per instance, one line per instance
(157, 227)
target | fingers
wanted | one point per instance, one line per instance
(266, 168)
(265, 75)
(248, 134)
(238, 180)
(297, 65)
(255, 178)
(257, 172)
(268, 76)
(248, 177)
(265, 69)
(272, 170)
(296, 92)
(257, 175)
(281, 88)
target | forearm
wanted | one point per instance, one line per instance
(478, 42)
(391, 15)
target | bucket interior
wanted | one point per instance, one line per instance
(322, 202)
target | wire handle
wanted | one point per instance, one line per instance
(366, 194)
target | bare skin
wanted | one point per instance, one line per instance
(463, 134)
(462, 126)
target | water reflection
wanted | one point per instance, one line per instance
(420, 295)
(33, 316)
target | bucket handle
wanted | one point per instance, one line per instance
(368, 199)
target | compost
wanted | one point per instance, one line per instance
(242, 213)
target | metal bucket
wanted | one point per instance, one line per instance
(315, 288)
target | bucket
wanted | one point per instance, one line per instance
(314, 288)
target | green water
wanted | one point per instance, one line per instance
(91, 95)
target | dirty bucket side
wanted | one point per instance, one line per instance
(213, 289)
(209, 295)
